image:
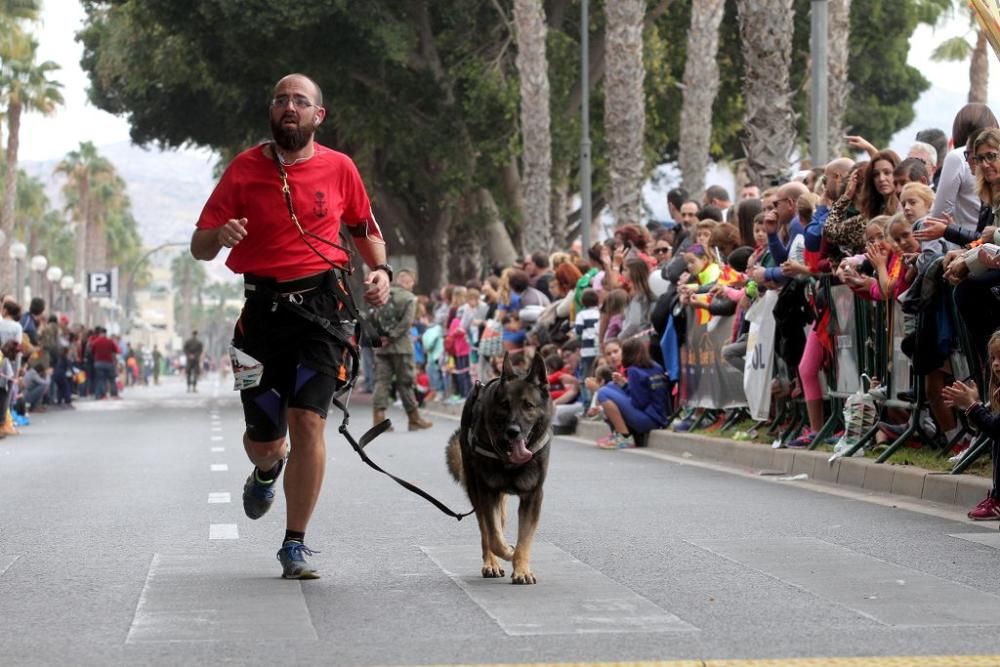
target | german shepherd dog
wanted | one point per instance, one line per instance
(502, 448)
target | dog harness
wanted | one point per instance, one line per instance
(539, 446)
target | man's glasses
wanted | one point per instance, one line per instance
(300, 101)
(986, 157)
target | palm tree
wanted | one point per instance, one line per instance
(838, 86)
(976, 51)
(25, 87)
(189, 279)
(84, 170)
(701, 85)
(532, 69)
(624, 106)
(766, 28)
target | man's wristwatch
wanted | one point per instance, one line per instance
(386, 268)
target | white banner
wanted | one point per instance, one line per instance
(759, 368)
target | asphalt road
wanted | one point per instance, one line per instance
(119, 545)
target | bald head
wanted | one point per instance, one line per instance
(296, 77)
(836, 177)
(786, 200)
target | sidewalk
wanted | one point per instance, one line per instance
(963, 491)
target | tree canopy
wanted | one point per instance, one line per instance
(424, 95)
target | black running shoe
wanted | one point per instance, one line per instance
(259, 496)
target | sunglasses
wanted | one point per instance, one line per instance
(659, 250)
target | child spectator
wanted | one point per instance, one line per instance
(637, 402)
(513, 335)
(703, 232)
(612, 314)
(586, 328)
(456, 344)
(985, 418)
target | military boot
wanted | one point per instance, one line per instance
(379, 417)
(416, 421)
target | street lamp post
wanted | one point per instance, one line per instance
(37, 264)
(54, 274)
(18, 251)
(585, 213)
(66, 287)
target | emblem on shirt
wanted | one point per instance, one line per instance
(319, 206)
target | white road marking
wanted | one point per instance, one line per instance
(217, 438)
(219, 467)
(989, 539)
(215, 497)
(216, 429)
(6, 562)
(881, 591)
(218, 449)
(216, 599)
(223, 531)
(572, 598)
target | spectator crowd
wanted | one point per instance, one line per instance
(912, 237)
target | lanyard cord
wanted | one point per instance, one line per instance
(304, 233)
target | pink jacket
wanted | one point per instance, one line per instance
(455, 330)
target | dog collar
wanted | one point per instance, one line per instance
(539, 446)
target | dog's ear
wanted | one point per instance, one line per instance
(508, 370)
(537, 374)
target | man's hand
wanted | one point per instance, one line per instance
(771, 222)
(792, 268)
(232, 232)
(758, 274)
(377, 288)
(987, 235)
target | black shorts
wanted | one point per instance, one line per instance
(303, 363)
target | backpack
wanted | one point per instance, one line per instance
(450, 341)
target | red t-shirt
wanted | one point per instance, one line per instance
(326, 190)
(103, 348)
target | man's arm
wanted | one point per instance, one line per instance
(371, 247)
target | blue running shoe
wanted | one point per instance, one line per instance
(257, 495)
(292, 556)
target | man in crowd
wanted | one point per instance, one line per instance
(676, 199)
(31, 321)
(537, 266)
(749, 191)
(394, 359)
(928, 155)
(295, 301)
(105, 352)
(717, 196)
(939, 140)
(193, 349)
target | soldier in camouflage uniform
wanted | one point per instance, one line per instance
(394, 359)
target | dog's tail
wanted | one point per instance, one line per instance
(453, 455)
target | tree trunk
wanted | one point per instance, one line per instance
(701, 85)
(560, 206)
(979, 70)
(10, 192)
(766, 28)
(499, 247)
(81, 234)
(624, 107)
(466, 260)
(838, 86)
(536, 138)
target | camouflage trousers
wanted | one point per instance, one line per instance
(394, 370)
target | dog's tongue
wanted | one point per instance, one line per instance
(519, 452)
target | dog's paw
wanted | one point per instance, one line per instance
(525, 577)
(492, 571)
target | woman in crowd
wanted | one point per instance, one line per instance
(641, 299)
(957, 190)
(877, 197)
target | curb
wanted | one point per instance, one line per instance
(898, 480)
(962, 491)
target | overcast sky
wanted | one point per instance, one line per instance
(51, 138)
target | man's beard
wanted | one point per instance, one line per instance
(288, 138)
